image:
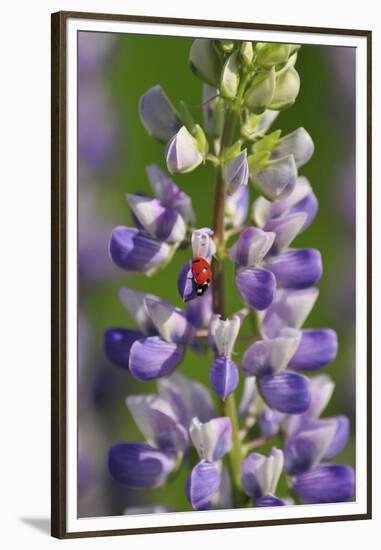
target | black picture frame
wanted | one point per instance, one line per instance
(58, 272)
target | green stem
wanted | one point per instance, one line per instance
(228, 407)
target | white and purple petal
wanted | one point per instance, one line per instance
(161, 222)
(251, 247)
(257, 287)
(182, 153)
(203, 484)
(286, 228)
(134, 302)
(306, 449)
(158, 422)
(223, 333)
(224, 376)
(158, 115)
(139, 465)
(236, 173)
(269, 421)
(260, 474)
(153, 357)
(202, 243)
(298, 143)
(117, 343)
(287, 392)
(212, 439)
(290, 308)
(270, 356)
(317, 348)
(249, 397)
(132, 250)
(170, 322)
(278, 179)
(301, 200)
(326, 483)
(296, 269)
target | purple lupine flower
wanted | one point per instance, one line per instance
(301, 200)
(278, 179)
(299, 144)
(212, 441)
(260, 474)
(259, 269)
(224, 372)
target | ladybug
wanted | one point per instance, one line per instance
(202, 274)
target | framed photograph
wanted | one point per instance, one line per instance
(211, 293)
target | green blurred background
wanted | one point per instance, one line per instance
(111, 79)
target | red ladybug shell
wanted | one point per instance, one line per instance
(201, 271)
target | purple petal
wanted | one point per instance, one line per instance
(269, 500)
(199, 312)
(278, 179)
(340, 438)
(286, 392)
(212, 439)
(306, 449)
(170, 322)
(257, 287)
(130, 249)
(185, 283)
(182, 153)
(290, 308)
(237, 207)
(169, 194)
(296, 269)
(158, 115)
(270, 356)
(117, 344)
(139, 465)
(309, 206)
(251, 247)
(158, 422)
(151, 358)
(317, 348)
(161, 222)
(299, 144)
(188, 398)
(286, 229)
(224, 377)
(326, 483)
(203, 484)
(236, 173)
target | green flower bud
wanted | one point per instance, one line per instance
(287, 87)
(205, 61)
(267, 143)
(226, 46)
(272, 54)
(230, 77)
(247, 53)
(261, 91)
